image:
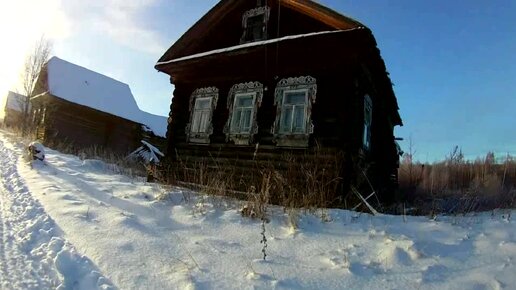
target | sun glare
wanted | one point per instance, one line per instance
(22, 23)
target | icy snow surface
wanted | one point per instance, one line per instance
(191, 241)
(88, 88)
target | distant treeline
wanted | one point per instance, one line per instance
(458, 185)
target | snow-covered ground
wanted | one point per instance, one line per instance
(129, 240)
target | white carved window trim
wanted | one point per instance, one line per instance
(202, 137)
(263, 10)
(242, 89)
(368, 120)
(296, 139)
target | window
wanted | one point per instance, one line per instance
(293, 112)
(44, 114)
(242, 113)
(368, 118)
(254, 23)
(203, 102)
(293, 99)
(200, 115)
(244, 99)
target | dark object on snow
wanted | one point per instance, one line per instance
(151, 171)
(36, 151)
(147, 153)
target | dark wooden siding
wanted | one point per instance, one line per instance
(347, 65)
(229, 30)
(83, 127)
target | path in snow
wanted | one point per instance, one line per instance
(33, 255)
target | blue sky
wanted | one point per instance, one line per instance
(453, 63)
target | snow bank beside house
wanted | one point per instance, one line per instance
(82, 86)
(190, 241)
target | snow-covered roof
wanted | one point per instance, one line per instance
(82, 86)
(252, 44)
(14, 101)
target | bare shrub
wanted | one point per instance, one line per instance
(456, 185)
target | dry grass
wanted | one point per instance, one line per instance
(292, 181)
(456, 185)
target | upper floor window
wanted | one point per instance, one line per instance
(243, 102)
(202, 104)
(368, 119)
(293, 99)
(254, 23)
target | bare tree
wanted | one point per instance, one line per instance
(34, 63)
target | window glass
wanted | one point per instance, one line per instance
(286, 119)
(242, 113)
(202, 103)
(368, 115)
(200, 115)
(366, 136)
(196, 122)
(299, 119)
(246, 120)
(235, 123)
(204, 121)
(295, 97)
(255, 28)
(245, 100)
(293, 113)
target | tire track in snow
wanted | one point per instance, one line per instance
(32, 254)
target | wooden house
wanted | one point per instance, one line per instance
(83, 108)
(13, 107)
(280, 81)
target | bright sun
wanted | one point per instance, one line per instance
(22, 23)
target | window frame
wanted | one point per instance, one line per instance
(242, 89)
(240, 130)
(200, 111)
(258, 11)
(284, 86)
(368, 121)
(203, 137)
(283, 105)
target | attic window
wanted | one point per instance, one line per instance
(203, 102)
(243, 102)
(293, 99)
(254, 23)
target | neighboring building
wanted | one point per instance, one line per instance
(13, 109)
(84, 108)
(257, 80)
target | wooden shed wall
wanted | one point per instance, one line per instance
(86, 127)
